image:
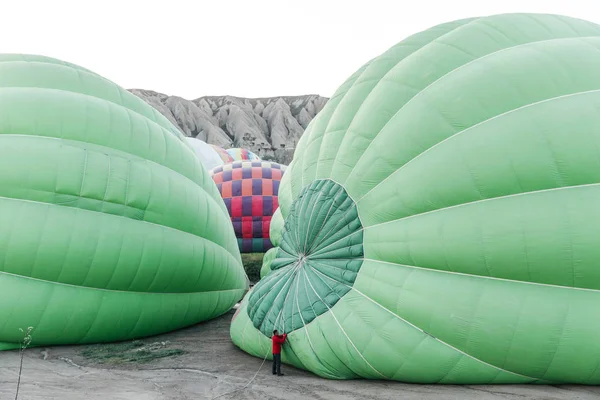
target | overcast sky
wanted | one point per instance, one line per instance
(250, 48)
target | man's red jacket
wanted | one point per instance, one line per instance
(277, 342)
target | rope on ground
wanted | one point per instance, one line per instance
(249, 382)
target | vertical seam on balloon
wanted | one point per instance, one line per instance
(39, 241)
(512, 338)
(345, 334)
(434, 82)
(593, 372)
(281, 311)
(456, 363)
(137, 322)
(13, 309)
(297, 279)
(278, 318)
(415, 348)
(69, 319)
(305, 326)
(562, 332)
(248, 321)
(297, 227)
(483, 246)
(534, 19)
(467, 338)
(559, 173)
(571, 251)
(258, 336)
(91, 326)
(483, 200)
(304, 248)
(454, 135)
(306, 292)
(120, 255)
(91, 264)
(66, 255)
(85, 162)
(108, 177)
(525, 249)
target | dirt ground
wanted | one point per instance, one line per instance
(211, 366)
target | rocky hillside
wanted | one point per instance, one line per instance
(270, 127)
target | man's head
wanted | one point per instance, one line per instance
(275, 332)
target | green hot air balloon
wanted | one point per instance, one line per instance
(442, 214)
(110, 227)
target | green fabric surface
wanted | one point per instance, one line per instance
(316, 264)
(110, 228)
(471, 152)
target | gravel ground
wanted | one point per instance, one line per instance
(212, 366)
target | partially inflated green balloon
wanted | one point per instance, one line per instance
(110, 228)
(441, 214)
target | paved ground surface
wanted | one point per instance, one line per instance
(212, 366)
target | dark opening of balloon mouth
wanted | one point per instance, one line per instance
(317, 262)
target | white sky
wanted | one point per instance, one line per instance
(249, 48)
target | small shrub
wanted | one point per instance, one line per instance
(252, 264)
(129, 352)
(26, 342)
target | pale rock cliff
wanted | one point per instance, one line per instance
(270, 127)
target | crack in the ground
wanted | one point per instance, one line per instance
(495, 392)
(194, 370)
(70, 362)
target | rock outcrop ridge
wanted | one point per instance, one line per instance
(270, 127)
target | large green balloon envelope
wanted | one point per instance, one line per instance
(110, 228)
(442, 214)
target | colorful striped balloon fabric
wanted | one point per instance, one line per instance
(242, 154)
(223, 154)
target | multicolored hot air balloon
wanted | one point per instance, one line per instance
(225, 156)
(239, 154)
(250, 191)
(110, 227)
(441, 214)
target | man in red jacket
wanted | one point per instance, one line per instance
(277, 340)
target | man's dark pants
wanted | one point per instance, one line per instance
(276, 364)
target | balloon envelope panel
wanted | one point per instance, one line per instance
(110, 226)
(239, 154)
(440, 214)
(250, 192)
(225, 156)
(207, 154)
